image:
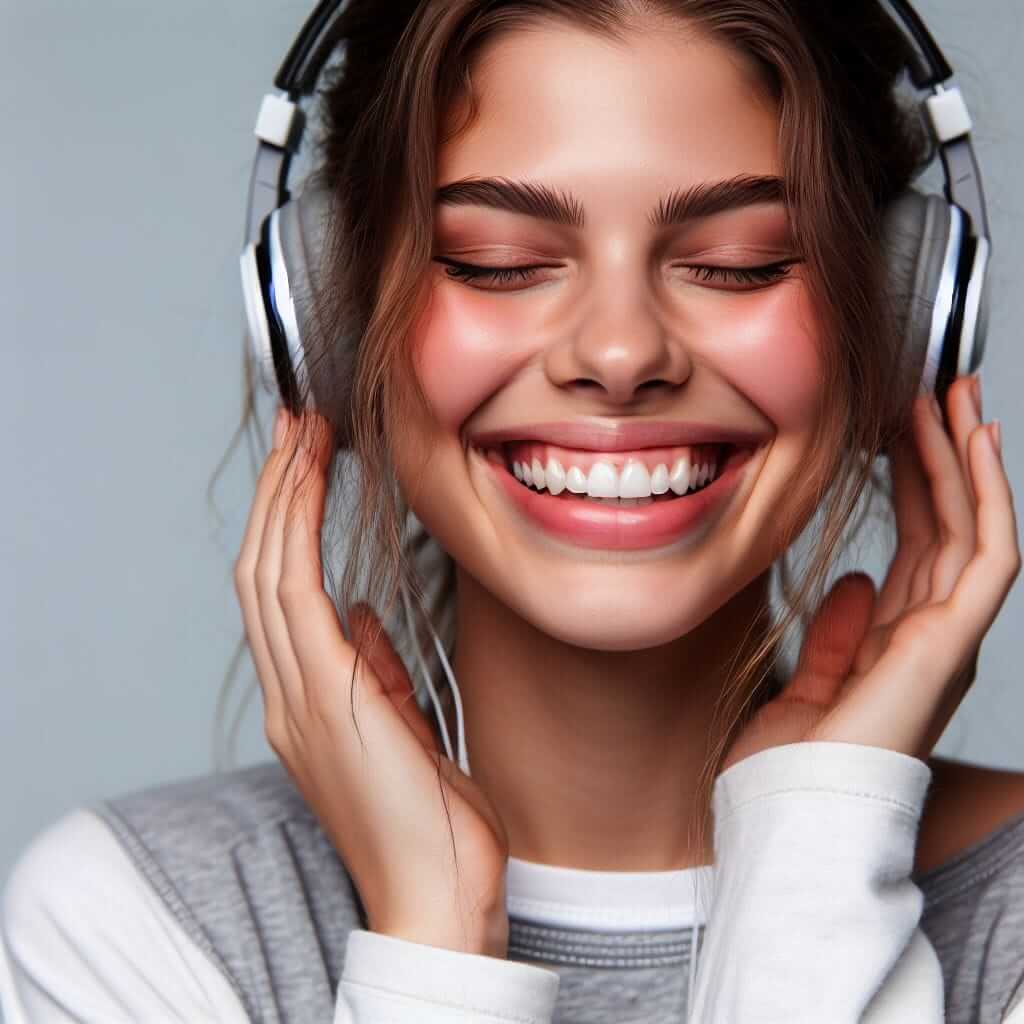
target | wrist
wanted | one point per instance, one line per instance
(489, 938)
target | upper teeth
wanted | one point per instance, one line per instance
(605, 481)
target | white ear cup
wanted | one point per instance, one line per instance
(976, 307)
(256, 317)
(281, 277)
(926, 238)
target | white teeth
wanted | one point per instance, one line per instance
(659, 479)
(537, 472)
(634, 480)
(555, 476)
(679, 478)
(601, 481)
(634, 485)
(576, 481)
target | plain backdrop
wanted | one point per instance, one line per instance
(127, 148)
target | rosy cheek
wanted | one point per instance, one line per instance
(768, 350)
(468, 345)
(464, 347)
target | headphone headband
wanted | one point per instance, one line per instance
(934, 68)
(308, 54)
(280, 122)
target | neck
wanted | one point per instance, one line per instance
(592, 759)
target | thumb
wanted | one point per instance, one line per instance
(832, 639)
(368, 632)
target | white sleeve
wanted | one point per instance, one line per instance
(393, 981)
(84, 936)
(813, 913)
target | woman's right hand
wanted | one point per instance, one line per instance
(384, 794)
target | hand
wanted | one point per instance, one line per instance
(384, 794)
(890, 671)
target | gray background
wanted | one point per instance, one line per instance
(127, 148)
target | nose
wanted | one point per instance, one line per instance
(620, 345)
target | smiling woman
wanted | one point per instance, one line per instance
(604, 319)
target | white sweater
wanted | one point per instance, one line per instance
(813, 917)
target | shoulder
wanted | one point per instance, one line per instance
(172, 895)
(217, 808)
(83, 930)
(970, 868)
(965, 804)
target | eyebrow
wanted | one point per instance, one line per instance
(538, 200)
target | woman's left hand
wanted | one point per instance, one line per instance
(890, 670)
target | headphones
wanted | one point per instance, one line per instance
(937, 252)
(937, 247)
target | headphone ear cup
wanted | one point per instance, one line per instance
(916, 229)
(327, 351)
(298, 356)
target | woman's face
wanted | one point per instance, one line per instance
(617, 327)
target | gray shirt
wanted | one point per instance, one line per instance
(240, 861)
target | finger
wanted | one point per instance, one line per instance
(964, 416)
(988, 576)
(916, 530)
(325, 658)
(952, 504)
(390, 670)
(294, 547)
(937, 646)
(268, 587)
(832, 640)
(336, 689)
(317, 639)
(245, 582)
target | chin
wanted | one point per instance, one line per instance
(622, 612)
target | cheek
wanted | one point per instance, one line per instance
(464, 346)
(769, 350)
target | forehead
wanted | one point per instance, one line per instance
(663, 105)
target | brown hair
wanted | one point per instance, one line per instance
(848, 145)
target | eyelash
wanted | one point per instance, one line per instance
(760, 275)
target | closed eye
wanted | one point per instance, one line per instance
(471, 272)
(760, 275)
(757, 275)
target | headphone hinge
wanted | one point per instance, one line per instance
(279, 122)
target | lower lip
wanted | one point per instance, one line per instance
(592, 525)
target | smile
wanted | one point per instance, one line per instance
(617, 500)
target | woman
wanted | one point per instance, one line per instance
(587, 249)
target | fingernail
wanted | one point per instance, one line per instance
(280, 424)
(976, 391)
(996, 434)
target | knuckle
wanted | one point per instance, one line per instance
(1013, 569)
(243, 575)
(1005, 566)
(290, 592)
(276, 734)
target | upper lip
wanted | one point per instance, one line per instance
(601, 436)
